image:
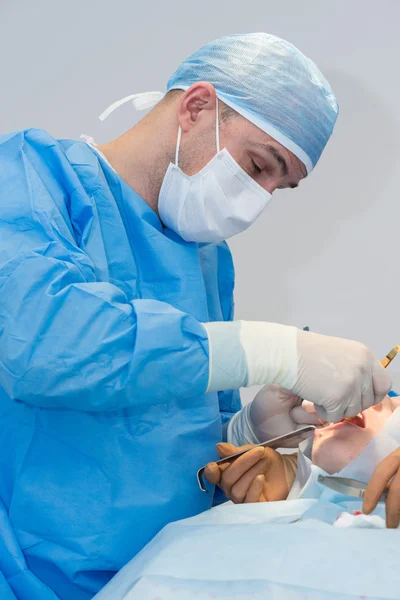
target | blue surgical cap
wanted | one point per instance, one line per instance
(272, 84)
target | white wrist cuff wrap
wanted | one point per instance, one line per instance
(271, 353)
(227, 360)
(245, 353)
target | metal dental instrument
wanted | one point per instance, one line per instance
(274, 443)
(348, 487)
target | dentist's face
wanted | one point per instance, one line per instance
(269, 163)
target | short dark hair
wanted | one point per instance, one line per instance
(227, 113)
(169, 96)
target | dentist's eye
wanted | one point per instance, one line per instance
(256, 167)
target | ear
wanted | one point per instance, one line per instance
(195, 104)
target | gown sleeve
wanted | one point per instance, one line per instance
(68, 340)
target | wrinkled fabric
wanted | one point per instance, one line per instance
(261, 551)
(103, 368)
(357, 520)
(272, 84)
(288, 550)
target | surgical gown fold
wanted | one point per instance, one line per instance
(103, 364)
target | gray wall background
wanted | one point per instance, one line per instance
(325, 255)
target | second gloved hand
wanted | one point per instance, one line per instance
(339, 376)
(273, 412)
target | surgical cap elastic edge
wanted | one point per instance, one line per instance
(277, 135)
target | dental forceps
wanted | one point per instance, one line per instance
(274, 443)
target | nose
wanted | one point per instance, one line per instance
(270, 185)
(270, 188)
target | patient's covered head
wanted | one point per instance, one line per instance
(336, 445)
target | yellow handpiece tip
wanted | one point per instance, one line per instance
(390, 356)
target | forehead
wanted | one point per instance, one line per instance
(255, 138)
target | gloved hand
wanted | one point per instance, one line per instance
(260, 475)
(339, 376)
(388, 469)
(345, 375)
(273, 412)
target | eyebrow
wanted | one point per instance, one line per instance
(279, 158)
(276, 154)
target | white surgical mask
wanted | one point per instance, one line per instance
(214, 204)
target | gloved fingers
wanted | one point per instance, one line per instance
(333, 371)
(272, 400)
(224, 449)
(352, 410)
(288, 397)
(386, 469)
(301, 417)
(367, 398)
(321, 412)
(255, 490)
(382, 382)
(239, 467)
(212, 473)
(355, 405)
(373, 393)
(309, 407)
(393, 503)
(239, 490)
(273, 392)
(331, 416)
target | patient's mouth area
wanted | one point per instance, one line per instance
(358, 420)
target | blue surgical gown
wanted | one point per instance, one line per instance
(104, 418)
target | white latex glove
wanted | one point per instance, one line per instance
(339, 376)
(276, 411)
(273, 412)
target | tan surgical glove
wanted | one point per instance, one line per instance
(260, 475)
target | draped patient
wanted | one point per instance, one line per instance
(264, 474)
